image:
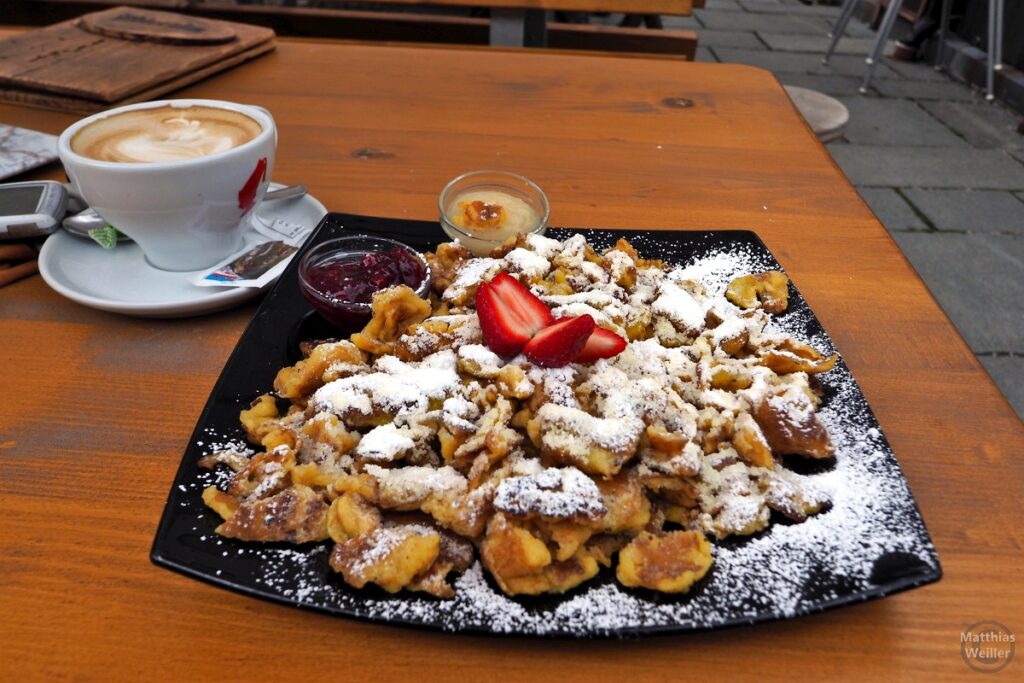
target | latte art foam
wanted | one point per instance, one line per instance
(164, 134)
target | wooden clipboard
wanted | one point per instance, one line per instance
(119, 56)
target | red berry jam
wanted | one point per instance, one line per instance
(354, 276)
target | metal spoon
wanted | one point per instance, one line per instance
(286, 192)
(81, 223)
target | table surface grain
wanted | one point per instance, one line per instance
(99, 407)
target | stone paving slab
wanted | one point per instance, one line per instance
(773, 7)
(720, 38)
(723, 5)
(854, 29)
(925, 90)
(976, 279)
(803, 42)
(895, 122)
(971, 210)
(1008, 374)
(917, 71)
(983, 124)
(691, 23)
(745, 21)
(830, 85)
(892, 210)
(802, 63)
(705, 54)
(937, 167)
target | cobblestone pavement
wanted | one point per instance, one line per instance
(941, 168)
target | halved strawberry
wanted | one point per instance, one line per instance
(510, 314)
(560, 343)
(601, 344)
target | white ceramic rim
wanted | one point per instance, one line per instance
(217, 300)
(254, 112)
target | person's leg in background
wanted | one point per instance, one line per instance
(908, 49)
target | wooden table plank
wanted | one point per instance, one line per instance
(670, 7)
(100, 406)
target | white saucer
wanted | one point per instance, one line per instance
(122, 281)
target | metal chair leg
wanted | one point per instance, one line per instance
(840, 28)
(990, 71)
(947, 8)
(1000, 16)
(883, 35)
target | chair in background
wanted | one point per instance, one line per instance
(995, 38)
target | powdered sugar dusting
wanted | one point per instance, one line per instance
(384, 444)
(527, 262)
(397, 388)
(718, 268)
(677, 305)
(785, 571)
(555, 493)
(472, 274)
(839, 555)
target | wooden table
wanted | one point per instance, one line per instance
(99, 407)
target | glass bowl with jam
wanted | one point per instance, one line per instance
(481, 209)
(340, 276)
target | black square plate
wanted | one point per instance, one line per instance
(872, 542)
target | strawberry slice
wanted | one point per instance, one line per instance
(601, 344)
(510, 314)
(559, 343)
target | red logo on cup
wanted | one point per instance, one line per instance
(247, 195)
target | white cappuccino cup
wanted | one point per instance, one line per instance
(179, 177)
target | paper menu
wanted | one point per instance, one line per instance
(22, 149)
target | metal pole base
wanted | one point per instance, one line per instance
(518, 27)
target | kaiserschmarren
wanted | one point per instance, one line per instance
(417, 449)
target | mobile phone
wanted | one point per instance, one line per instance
(31, 209)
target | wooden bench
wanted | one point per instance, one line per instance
(524, 22)
(385, 26)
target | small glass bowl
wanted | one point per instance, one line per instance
(350, 315)
(479, 241)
